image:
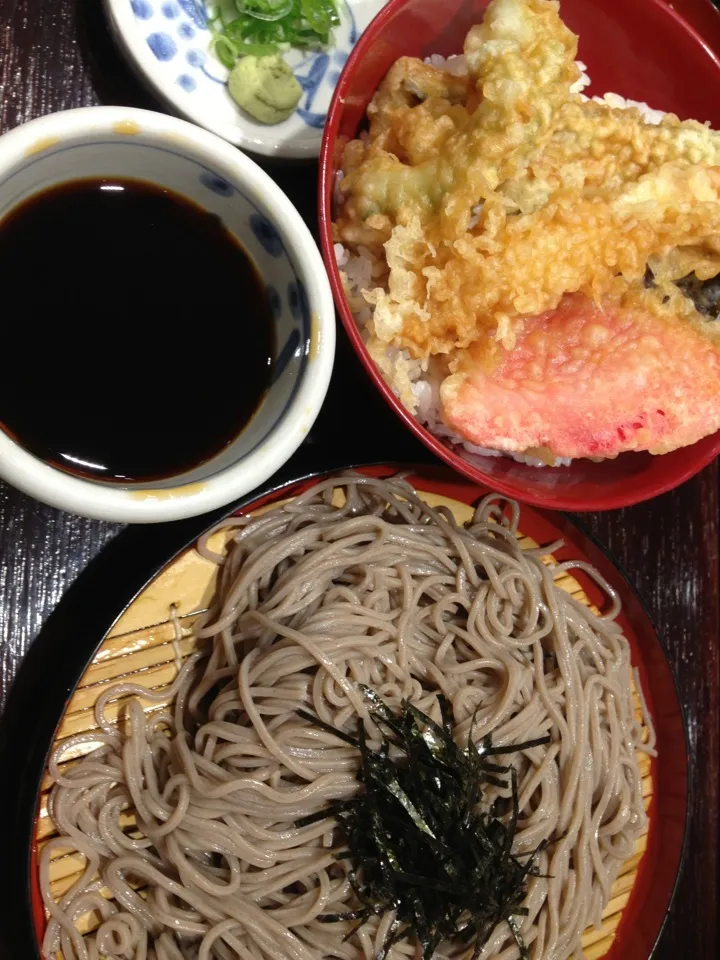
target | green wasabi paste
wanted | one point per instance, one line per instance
(265, 87)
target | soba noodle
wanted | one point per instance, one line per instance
(314, 599)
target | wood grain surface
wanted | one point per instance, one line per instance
(57, 54)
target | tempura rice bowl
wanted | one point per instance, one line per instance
(422, 29)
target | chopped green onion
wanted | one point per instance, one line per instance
(315, 14)
(262, 27)
(257, 49)
(269, 10)
(225, 50)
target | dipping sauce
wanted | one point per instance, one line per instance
(140, 339)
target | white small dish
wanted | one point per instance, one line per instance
(126, 143)
(168, 43)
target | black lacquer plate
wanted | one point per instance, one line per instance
(94, 603)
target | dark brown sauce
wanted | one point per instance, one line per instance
(139, 342)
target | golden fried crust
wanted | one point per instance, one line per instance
(496, 194)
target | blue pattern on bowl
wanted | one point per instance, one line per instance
(297, 297)
(267, 235)
(217, 184)
(274, 300)
(317, 71)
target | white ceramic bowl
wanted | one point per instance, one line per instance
(116, 141)
(168, 44)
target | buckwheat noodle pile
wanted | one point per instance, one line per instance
(312, 601)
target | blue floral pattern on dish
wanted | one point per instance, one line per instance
(162, 45)
(142, 9)
(195, 11)
(316, 71)
(196, 58)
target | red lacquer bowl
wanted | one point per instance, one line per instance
(642, 49)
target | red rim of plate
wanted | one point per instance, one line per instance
(654, 887)
(325, 192)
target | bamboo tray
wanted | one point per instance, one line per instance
(149, 643)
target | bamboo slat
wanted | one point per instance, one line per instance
(143, 648)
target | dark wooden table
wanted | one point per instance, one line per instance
(57, 54)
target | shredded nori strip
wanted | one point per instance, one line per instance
(705, 294)
(422, 839)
